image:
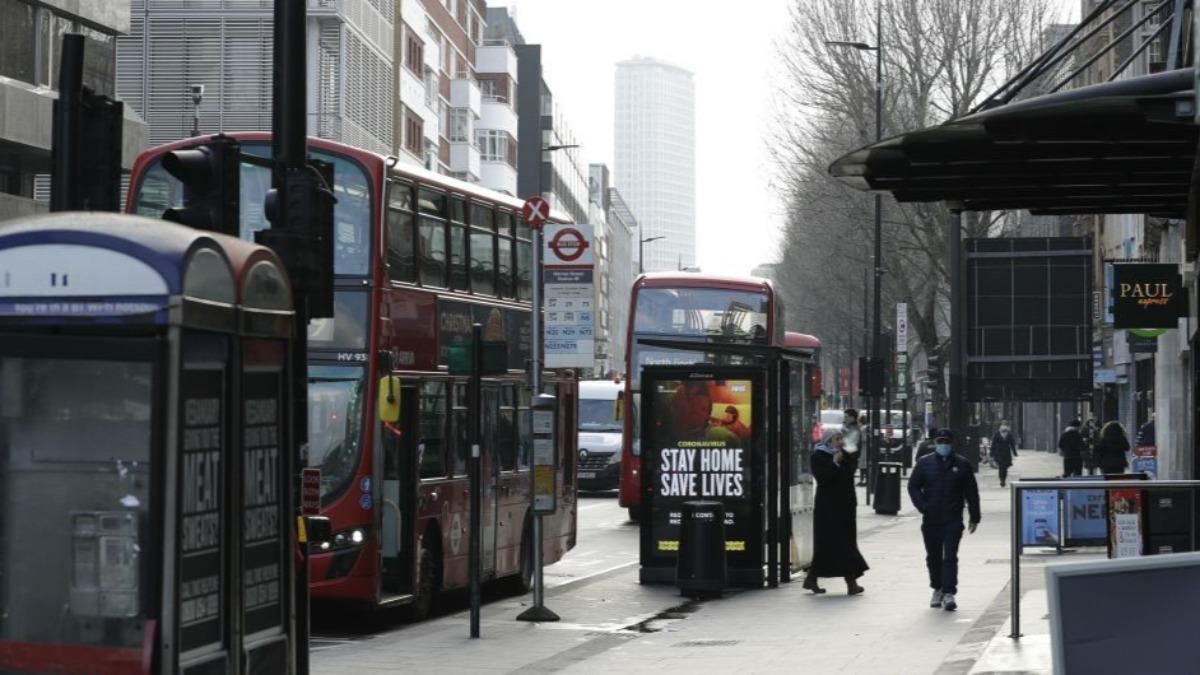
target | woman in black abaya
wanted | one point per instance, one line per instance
(835, 545)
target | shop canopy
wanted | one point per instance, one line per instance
(1124, 146)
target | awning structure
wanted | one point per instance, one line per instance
(1125, 146)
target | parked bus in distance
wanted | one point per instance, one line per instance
(690, 307)
(600, 431)
(418, 259)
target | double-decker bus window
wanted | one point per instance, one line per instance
(524, 429)
(458, 244)
(504, 267)
(401, 233)
(506, 430)
(482, 216)
(347, 329)
(159, 191)
(335, 399)
(524, 275)
(459, 429)
(483, 261)
(458, 210)
(523, 231)
(433, 252)
(432, 443)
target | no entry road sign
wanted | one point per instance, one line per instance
(535, 211)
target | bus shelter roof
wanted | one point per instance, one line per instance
(1125, 146)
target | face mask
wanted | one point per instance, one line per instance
(943, 449)
(1004, 430)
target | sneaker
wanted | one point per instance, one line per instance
(948, 602)
(936, 601)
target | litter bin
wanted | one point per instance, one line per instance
(700, 564)
(887, 487)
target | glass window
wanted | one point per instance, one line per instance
(347, 329)
(460, 125)
(523, 230)
(504, 222)
(159, 191)
(482, 216)
(458, 257)
(702, 312)
(598, 415)
(504, 268)
(401, 236)
(458, 210)
(433, 252)
(483, 262)
(433, 203)
(431, 446)
(524, 279)
(524, 429)
(459, 429)
(335, 415)
(506, 430)
(18, 55)
(82, 471)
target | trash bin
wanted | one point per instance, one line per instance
(700, 564)
(887, 487)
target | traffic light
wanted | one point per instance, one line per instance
(870, 376)
(211, 178)
(301, 233)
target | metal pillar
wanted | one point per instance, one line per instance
(956, 404)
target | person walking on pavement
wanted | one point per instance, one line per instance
(1145, 434)
(940, 485)
(835, 545)
(853, 439)
(1071, 446)
(1110, 451)
(1003, 450)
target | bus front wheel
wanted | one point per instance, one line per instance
(635, 514)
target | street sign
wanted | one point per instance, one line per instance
(901, 328)
(535, 211)
(568, 279)
(310, 492)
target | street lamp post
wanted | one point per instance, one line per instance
(642, 248)
(877, 339)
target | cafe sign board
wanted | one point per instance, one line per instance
(1148, 296)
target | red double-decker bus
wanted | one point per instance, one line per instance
(693, 308)
(418, 258)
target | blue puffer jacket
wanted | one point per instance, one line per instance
(939, 487)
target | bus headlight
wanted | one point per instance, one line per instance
(615, 458)
(344, 539)
(104, 564)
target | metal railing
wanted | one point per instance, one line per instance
(1018, 487)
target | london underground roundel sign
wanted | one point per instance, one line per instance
(568, 244)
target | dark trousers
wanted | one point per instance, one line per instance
(941, 554)
(1003, 473)
(1073, 467)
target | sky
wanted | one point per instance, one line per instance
(732, 52)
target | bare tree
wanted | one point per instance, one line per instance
(941, 57)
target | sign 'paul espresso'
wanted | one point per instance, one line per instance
(1147, 296)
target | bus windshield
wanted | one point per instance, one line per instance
(702, 312)
(159, 191)
(598, 416)
(335, 415)
(695, 315)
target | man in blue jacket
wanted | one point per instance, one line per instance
(940, 484)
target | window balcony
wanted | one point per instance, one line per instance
(465, 93)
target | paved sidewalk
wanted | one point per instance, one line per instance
(612, 624)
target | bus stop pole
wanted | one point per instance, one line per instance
(773, 481)
(476, 467)
(538, 611)
(1015, 561)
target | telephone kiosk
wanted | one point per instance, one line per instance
(146, 514)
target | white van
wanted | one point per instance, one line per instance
(600, 432)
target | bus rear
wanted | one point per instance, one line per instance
(687, 308)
